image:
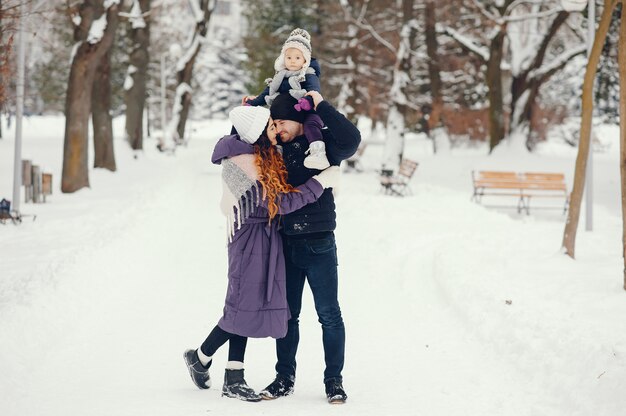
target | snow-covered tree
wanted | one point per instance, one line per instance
(490, 51)
(533, 41)
(94, 30)
(607, 84)
(220, 76)
(201, 11)
(101, 117)
(401, 47)
(135, 82)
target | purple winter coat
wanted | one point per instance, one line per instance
(256, 300)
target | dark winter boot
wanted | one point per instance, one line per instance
(199, 373)
(235, 386)
(334, 392)
(281, 386)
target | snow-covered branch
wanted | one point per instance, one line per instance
(516, 3)
(196, 9)
(362, 23)
(136, 16)
(538, 15)
(487, 13)
(198, 15)
(467, 43)
(557, 63)
(96, 31)
(189, 53)
(109, 3)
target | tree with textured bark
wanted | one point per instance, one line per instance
(529, 70)
(399, 105)
(434, 70)
(401, 48)
(571, 226)
(135, 84)
(104, 157)
(492, 57)
(202, 10)
(94, 30)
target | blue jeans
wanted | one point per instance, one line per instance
(314, 260)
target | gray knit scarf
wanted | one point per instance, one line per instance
(294, 77)
(241, 192)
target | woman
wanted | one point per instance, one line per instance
(255, 193)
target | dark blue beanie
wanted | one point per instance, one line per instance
(283, 109)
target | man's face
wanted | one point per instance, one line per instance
(287, 130)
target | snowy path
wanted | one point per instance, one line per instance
(100, 325)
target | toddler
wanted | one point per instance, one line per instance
(297, 73)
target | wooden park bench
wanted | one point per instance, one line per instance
(398, 184)
(523, 186)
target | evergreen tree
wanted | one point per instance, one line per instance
(220, 77)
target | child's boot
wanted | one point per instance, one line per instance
(304, 104)
(317, 156)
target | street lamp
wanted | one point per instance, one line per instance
(578, 6)
(19, 104)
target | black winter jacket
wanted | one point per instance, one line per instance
(342, 139)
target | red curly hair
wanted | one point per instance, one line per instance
(272, 174)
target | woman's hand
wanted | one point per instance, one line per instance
(317, 98)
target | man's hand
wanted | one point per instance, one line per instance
(317, 98)
(245, 99)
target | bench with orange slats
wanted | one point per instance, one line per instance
(524, 186)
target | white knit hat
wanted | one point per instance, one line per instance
(249, 121)
(298, 39)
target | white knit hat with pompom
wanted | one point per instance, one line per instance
(298, 39)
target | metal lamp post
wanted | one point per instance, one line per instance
(19, 110)
(578, 6)
(19, 103)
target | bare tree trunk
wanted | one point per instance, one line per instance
(75, 173)
(184, 74)
(104, 157)
(136, 94)
(571, 226)
(88, 53)
(494, 83)
(432, 49)
(621, 56)
(394, 145)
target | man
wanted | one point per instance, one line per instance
(309, 244)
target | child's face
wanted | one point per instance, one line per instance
(294, 60)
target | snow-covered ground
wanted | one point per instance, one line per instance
(451, 308)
